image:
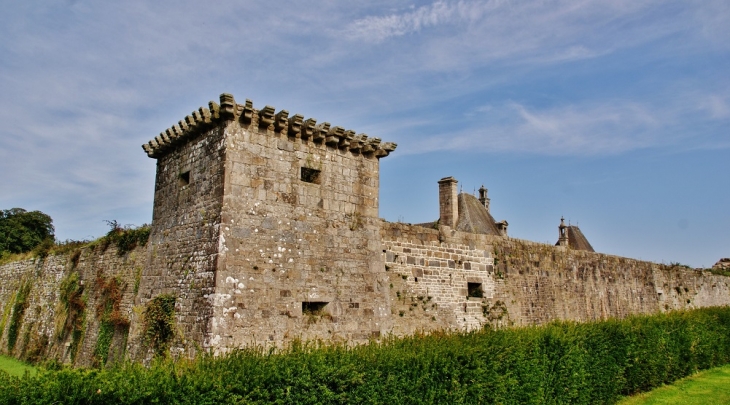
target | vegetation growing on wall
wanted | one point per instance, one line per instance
(125, 238)
(20, 304)
(159, 323)
(6, 314)
(111, 319)
(72, 312)
(563, 362)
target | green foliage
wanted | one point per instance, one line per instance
(73, 307)
(563, 362)
(19, 306)
(137, 279)
(125, 238)
(711, 386)
(15, 367)
(719, 272)
(159, 323)
(111, 320)
(22, 231)
(103, 342)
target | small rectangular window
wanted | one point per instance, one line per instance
(475, 290)
(184, 178)
(313, 307)
(311, 175)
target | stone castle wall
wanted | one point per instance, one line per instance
(265, 230)
(420, 282)
(299, 255)
(526, 283)
(46, 327)
(184, 240)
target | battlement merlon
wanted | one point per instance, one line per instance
(265, 119)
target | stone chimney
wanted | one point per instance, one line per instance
(562, 233)
(448, 202)
(483, 197)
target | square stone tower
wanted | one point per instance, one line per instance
(265, 227)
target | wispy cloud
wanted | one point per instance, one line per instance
(453, 34)
(379, 28)
(605, 128)
(85, 83)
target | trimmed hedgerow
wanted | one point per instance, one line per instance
(563, 362)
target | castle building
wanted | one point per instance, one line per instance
(263, 223)
(265, 228)
(265, 231)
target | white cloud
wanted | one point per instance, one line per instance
(85, 84)
(609, 128)
(376, 29)
(717, 105)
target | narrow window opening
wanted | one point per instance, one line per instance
(313, 307)
(184, 178)
(475, 290)
(311, 175)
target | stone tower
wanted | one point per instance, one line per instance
(263, 224)
(562, 233)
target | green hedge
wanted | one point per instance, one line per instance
(563, 362)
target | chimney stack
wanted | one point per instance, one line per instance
(448, 202)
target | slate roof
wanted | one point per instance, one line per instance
(474, 218)
(576, 239)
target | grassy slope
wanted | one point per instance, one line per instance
(15, 367)
(707, 387)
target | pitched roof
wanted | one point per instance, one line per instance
(576, 239)
(474, 217)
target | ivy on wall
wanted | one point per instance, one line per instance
(111, 319)
(159, 323)
(16, 318)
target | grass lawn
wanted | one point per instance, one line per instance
(15, 367)
(707, 387)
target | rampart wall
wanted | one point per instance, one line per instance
(265, 230)
(57, 307)
(420, 282)
(526, 283)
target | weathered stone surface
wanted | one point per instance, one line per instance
(722, 264)
(265, 238)
(45, 330)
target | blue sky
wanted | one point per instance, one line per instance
(614, 114)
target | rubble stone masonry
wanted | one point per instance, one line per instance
(265, 230)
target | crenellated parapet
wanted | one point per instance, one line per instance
(265, 120)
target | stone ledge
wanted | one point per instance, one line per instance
(265, 120)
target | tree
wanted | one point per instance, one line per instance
(21, 231)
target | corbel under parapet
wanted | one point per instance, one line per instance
(267, 117)
(295, 126)
(281, 122)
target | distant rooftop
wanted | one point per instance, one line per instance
(576, 239)
(474, 217)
